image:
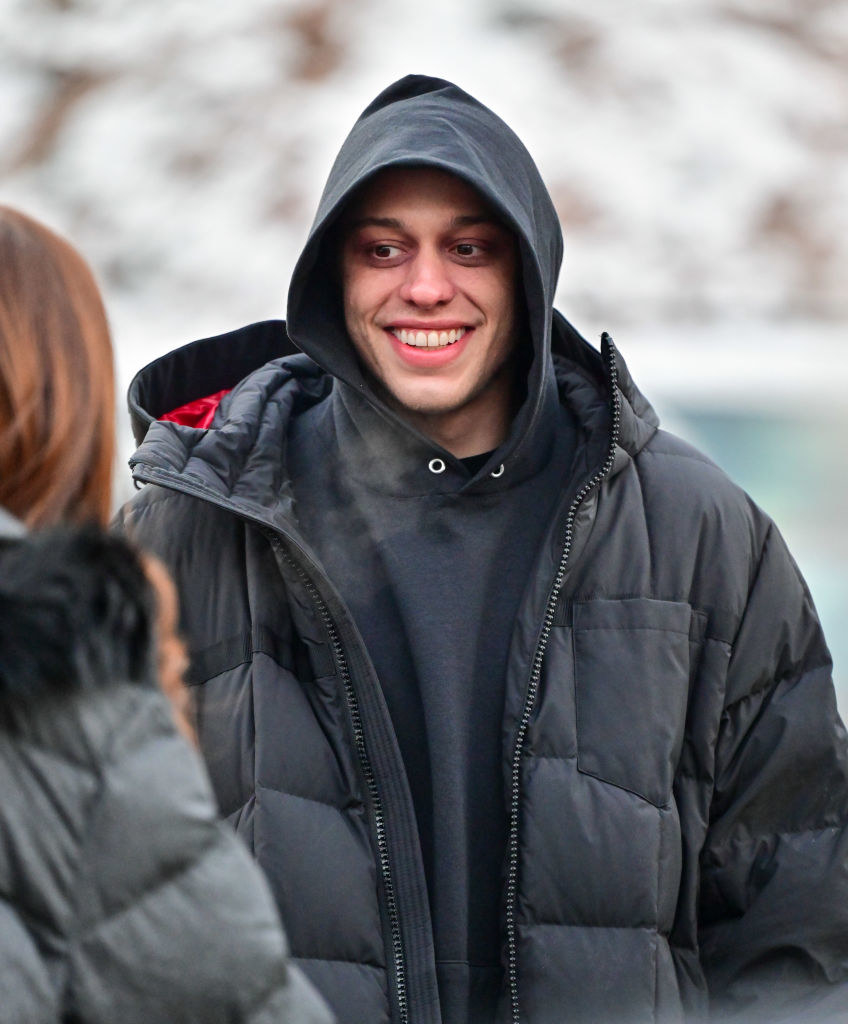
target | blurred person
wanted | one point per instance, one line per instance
(538, 690)
(122, 896)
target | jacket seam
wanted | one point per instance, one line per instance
(630, 629)
(718, 640)
(684, 773)
(160, 494)
(63, 759)
(552, 757)
(647, 450)
(149, 891)
(755, 837)
(797, 672)
(649, 538)
(34, 921)
(682, 598)
(753, 582)
(255, 821)
(296, 796)
(275, 986)
(655, 953)
(466, 963)
(79, 765)
(652, 929)
(663, 807)
(85, 877)
(339, 960)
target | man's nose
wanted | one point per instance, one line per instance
(428, 282)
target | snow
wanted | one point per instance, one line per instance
(696, 150)
(667, 132)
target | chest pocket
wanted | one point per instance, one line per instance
(631, 665)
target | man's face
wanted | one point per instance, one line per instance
(429, 282)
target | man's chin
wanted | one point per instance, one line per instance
(415, 401)
(425, 404)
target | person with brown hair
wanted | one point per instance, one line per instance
(56, 380)
(123, 897)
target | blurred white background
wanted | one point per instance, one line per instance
(697, 151)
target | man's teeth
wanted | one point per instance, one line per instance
(428, 339)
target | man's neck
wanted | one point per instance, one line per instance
(479, 426)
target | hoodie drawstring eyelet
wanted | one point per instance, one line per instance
(497, 472)
(437, 465)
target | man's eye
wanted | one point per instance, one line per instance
(385, 252)
(466, 249)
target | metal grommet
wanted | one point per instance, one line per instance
(497, 472)
(437, 465)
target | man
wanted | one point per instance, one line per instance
(520, 703)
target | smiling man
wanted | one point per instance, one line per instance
(430, 293)
(521, 704)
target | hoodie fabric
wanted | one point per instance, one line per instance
(674, 773)
(433, 578)
(433, 566)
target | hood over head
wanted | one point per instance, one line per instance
(428, 122)
(417, 122)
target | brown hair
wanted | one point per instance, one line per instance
(57, 391)
(172, 658)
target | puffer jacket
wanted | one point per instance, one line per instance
(122, 896)
(675, 770)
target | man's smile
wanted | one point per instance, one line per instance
(428, 338)
(428, 350)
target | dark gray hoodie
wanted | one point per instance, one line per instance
(433, 565)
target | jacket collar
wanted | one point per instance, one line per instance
(241, 458)
(202, 368)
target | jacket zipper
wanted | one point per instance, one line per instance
(370, 781)
(535, 676)
(366, 768)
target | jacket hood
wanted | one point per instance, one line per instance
(429, 122)
(201, 369)
(76, 612)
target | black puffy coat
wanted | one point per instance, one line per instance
(122, 897)
(675, 770)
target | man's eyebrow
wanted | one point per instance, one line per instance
(376, 222)
(463, 221)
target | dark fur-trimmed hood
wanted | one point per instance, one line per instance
(76, 611)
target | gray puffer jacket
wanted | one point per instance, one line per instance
(122, 897)
(675, 770)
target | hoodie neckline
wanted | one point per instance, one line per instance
(385, 454)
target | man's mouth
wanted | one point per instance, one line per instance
(428, 339)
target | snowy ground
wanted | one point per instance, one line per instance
(696, 150)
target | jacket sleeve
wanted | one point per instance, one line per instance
(774, 867)
(175, 920)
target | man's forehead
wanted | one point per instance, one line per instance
(383, 200)
(465, 220)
